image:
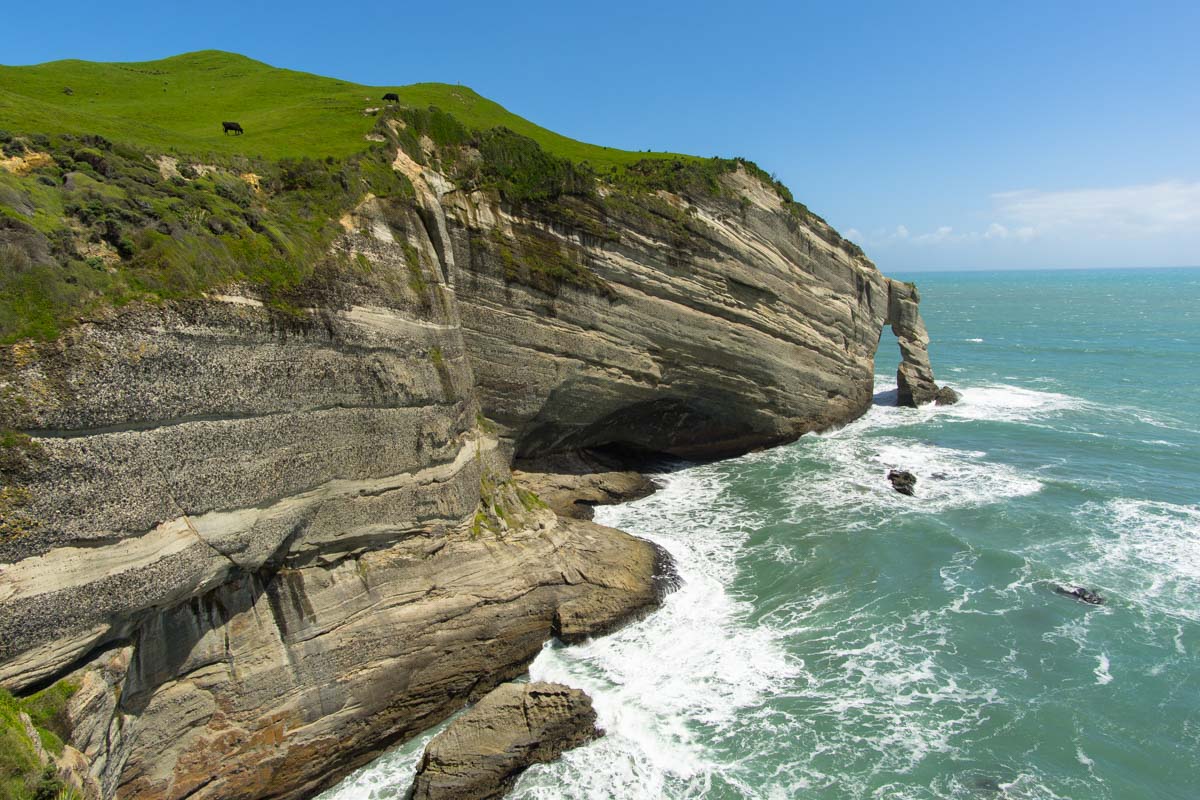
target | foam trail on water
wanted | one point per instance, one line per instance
(387, 777)
(1147, 551)
(689, 668)
(854, 469)
(1103, 676)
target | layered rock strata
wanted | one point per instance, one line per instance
(573, 484)
(267, 545)
(724, 323)
(268, 539)
(513, 727)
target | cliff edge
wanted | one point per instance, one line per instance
(257, 517)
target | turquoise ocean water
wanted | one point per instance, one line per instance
(834, 639)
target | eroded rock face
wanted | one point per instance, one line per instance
(573, 484)
(262, 535)
(903, 481)
(946, 396)
(267, 544)
(513, 727)
(737, 325)
(914, 378)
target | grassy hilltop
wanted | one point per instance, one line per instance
(176, 105)
(117, 182)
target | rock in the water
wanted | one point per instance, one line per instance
(946, 396)
(914, 378)
(902, 481)
(1080, 593)
(513, 727)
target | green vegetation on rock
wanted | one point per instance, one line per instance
(96, 223)
(21, 775)
(503, 505)
(177, 105)
(118, 184)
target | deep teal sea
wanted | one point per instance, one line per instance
(834, 639)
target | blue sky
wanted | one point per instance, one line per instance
(962, 135)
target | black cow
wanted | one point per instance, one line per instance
(232, 126)
(391, 97)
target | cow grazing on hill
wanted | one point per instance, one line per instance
(391, 97)
(232, 126)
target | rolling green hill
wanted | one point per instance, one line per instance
(92, 215)
(176, 105)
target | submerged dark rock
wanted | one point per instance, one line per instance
(946, 396)
(902, 481)
(988, 785)
(1080, 593)
(512, 728)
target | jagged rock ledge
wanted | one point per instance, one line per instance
(573, 484)
(513, 727)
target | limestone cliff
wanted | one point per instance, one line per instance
(725, 324)
(266, 544)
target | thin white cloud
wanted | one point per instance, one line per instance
(945, 233)
(1143, 210)
(998, 231)
(942, 235)
(879, 235)
(1120, 212)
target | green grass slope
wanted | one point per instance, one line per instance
(177, 105)
(21, 777)
(91, 218)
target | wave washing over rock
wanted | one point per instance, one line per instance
(812, 651)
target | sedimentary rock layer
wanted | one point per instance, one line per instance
(914, 377)
(733, 326)
(268, 539)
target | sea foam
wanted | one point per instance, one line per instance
(1146, 551)
(693, 664)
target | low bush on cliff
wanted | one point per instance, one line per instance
(21, 775)
(98, 223)
(524, 172)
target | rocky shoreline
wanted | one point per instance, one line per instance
(253, 549)
(516, 725)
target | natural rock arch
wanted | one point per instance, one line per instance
(914, 377)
